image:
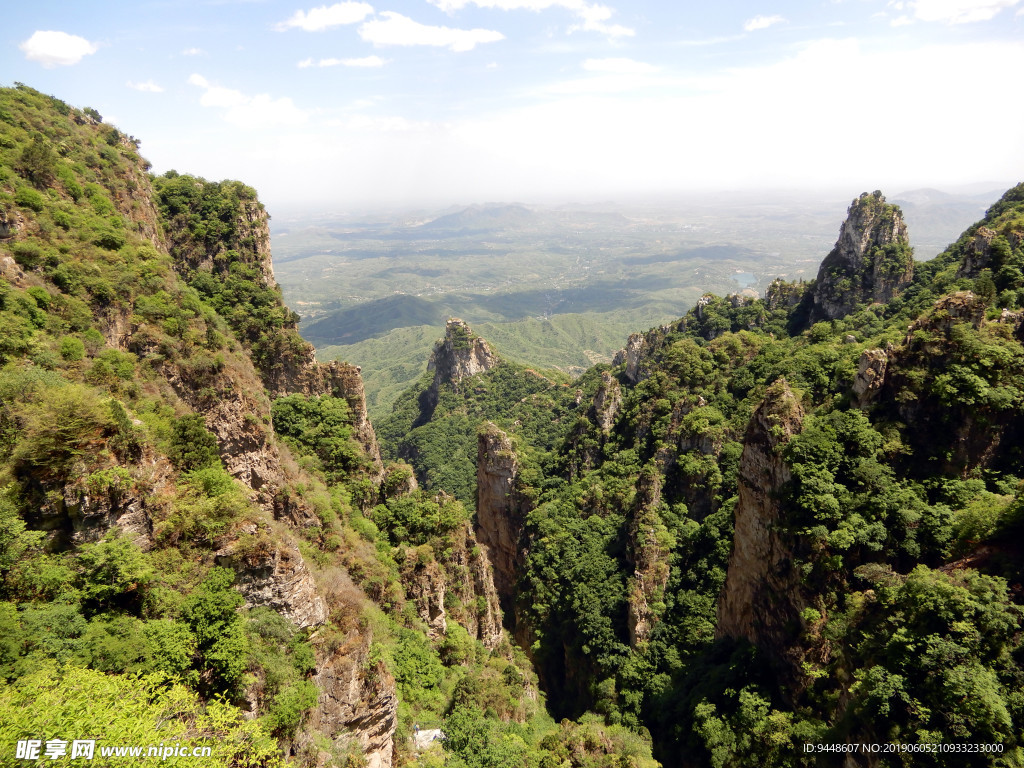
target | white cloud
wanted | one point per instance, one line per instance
(193, 52)
(901, 21)
(374, 124)
(594, 16)
(959, 11)
(762, 22)
(396, 29)
(250, 111)
(57, 49)
(326, 16)
(147, 87)
(366, 61)
(619, 66)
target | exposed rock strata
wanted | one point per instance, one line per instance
(458, 356)
(978, 254)
(870, 376)
(426, 585)
(468, 578)
(871, 261)
(648, 551)
(761, 597)
(358, 700)
(607, 401)
(275, 576)
(501, 509)
(636, 345)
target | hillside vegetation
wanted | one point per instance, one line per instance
(199, 542)
(768, 523)
(758, 529)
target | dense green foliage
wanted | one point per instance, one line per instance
(130, 548)
(132, 624)
(445, 446)
(213, 234)
(628, 538)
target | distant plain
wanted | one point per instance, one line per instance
(556, 286)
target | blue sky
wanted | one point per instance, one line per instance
(457, 101)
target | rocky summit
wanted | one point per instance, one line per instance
(871, 262)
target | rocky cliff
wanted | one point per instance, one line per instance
(358, 703)
(871, 261)
(458, 356)
(461, 586)
(631, 355)
(501, 508)
(761, 599)
(649, 552)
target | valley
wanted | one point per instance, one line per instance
(556, 286)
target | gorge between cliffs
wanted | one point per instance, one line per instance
(772, 522)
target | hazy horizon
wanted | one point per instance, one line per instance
(441, 102)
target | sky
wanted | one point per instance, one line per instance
(436, 102)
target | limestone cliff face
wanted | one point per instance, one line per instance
(761, 598)
(477, 591)
(237, 410)
(458, 356)
(870, 376)
(273, 575)
(500, 508)
(308, 377)
(636, 345)
(358, 699)
(978, 254)
(871, 261)
(607, 401)
(648, 551)
(116, 496)
(465, 581)
(426, 584)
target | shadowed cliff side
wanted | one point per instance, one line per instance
(761, 594)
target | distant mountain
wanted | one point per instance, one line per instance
(483, 217)
(935, 218)
(372, 319)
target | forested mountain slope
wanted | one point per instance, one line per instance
(199, 542)
(780, 521)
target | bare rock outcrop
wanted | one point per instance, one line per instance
(426, 585)
(636, 345)
(761, 598)
(870, 376)
(114, 497)
(978, 254)
(358, 699)
(501, 508)
(607, 401)
(460, 355)
(236, 409)
(274, 575)
(473, 584)
(871, 262)
(648, 550)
